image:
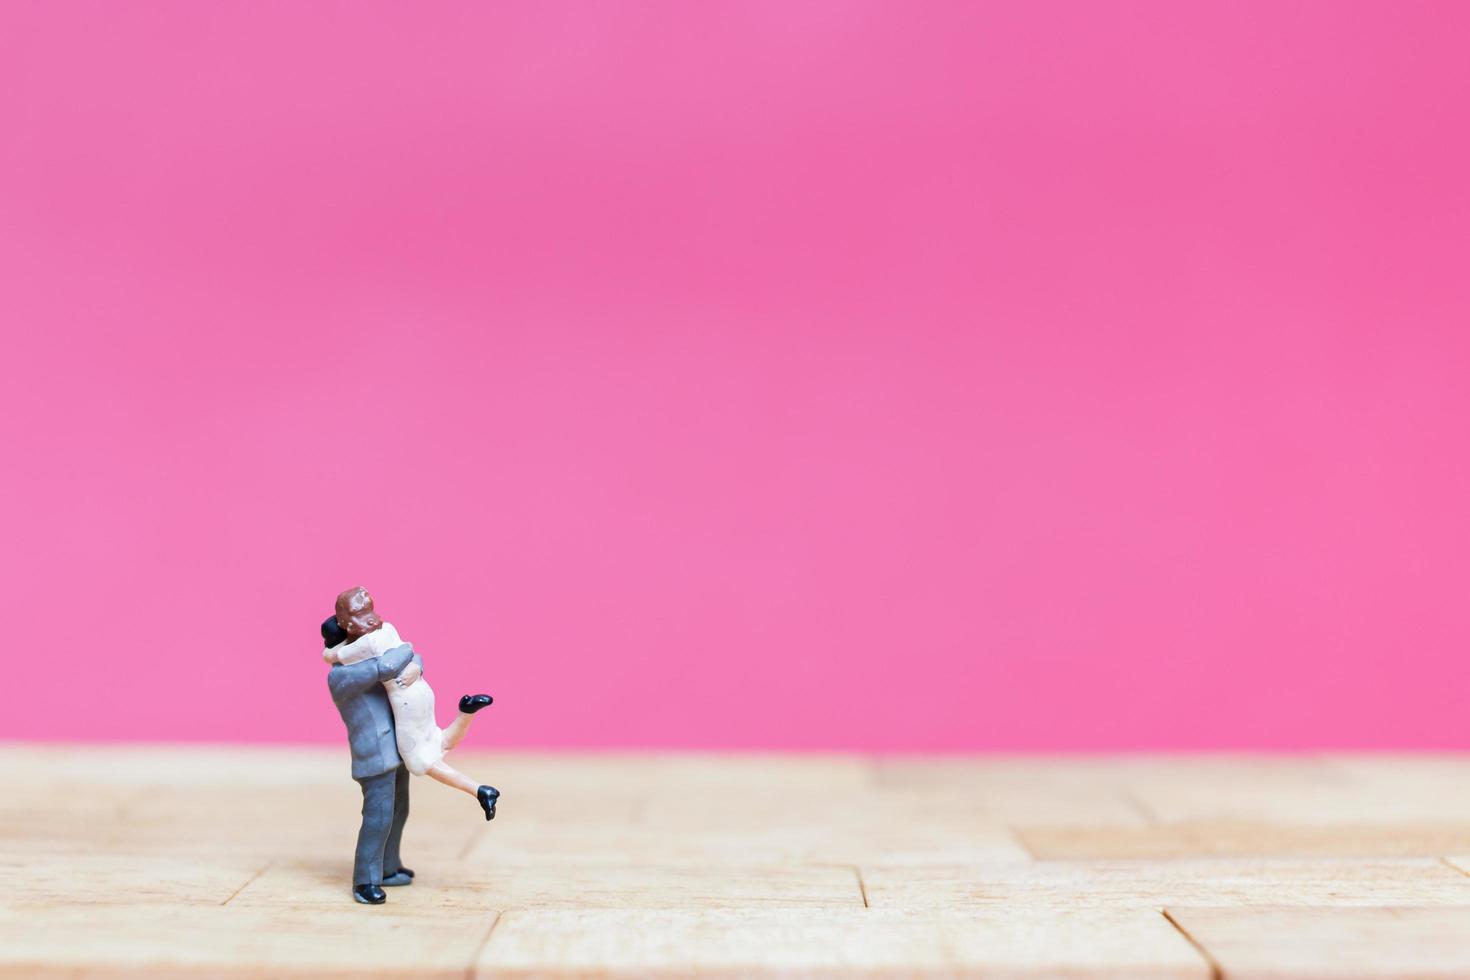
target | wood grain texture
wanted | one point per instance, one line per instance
(179, 861)
(221, 940)
(462, 885)
(1173, 884)
(862, 942)
(1234, 839)
(1403, 943)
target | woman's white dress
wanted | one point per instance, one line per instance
(420, 740)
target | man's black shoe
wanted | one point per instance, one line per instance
(369, 894)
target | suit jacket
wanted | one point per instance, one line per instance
(357, 690)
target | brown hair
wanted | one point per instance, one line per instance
(355, 612)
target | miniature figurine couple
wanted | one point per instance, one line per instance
(377, 684)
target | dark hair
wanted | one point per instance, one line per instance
(332, 632)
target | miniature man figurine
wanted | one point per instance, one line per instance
(376, 683)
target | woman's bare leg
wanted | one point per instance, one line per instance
(468, 705)
(456, 730)
(450, 776)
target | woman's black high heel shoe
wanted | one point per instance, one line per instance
(471, 703)
(488, 795)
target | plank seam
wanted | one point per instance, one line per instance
(1137, 804)
(474, 966)
(1020, 839)
(1216, 973)
(248, 882)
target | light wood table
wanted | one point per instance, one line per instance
(218, 861)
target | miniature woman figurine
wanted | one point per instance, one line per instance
(421, 743)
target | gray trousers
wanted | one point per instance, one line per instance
(384, 812)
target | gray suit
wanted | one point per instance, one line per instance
(357, 690)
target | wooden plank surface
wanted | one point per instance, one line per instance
(1334, 944)
(1426, 837)
(213, 940)
(218, 861)
(1156, 884)
(866, 942)
(496, 887)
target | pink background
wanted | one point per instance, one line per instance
(884, 376)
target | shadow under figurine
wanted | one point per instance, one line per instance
(377, 684)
